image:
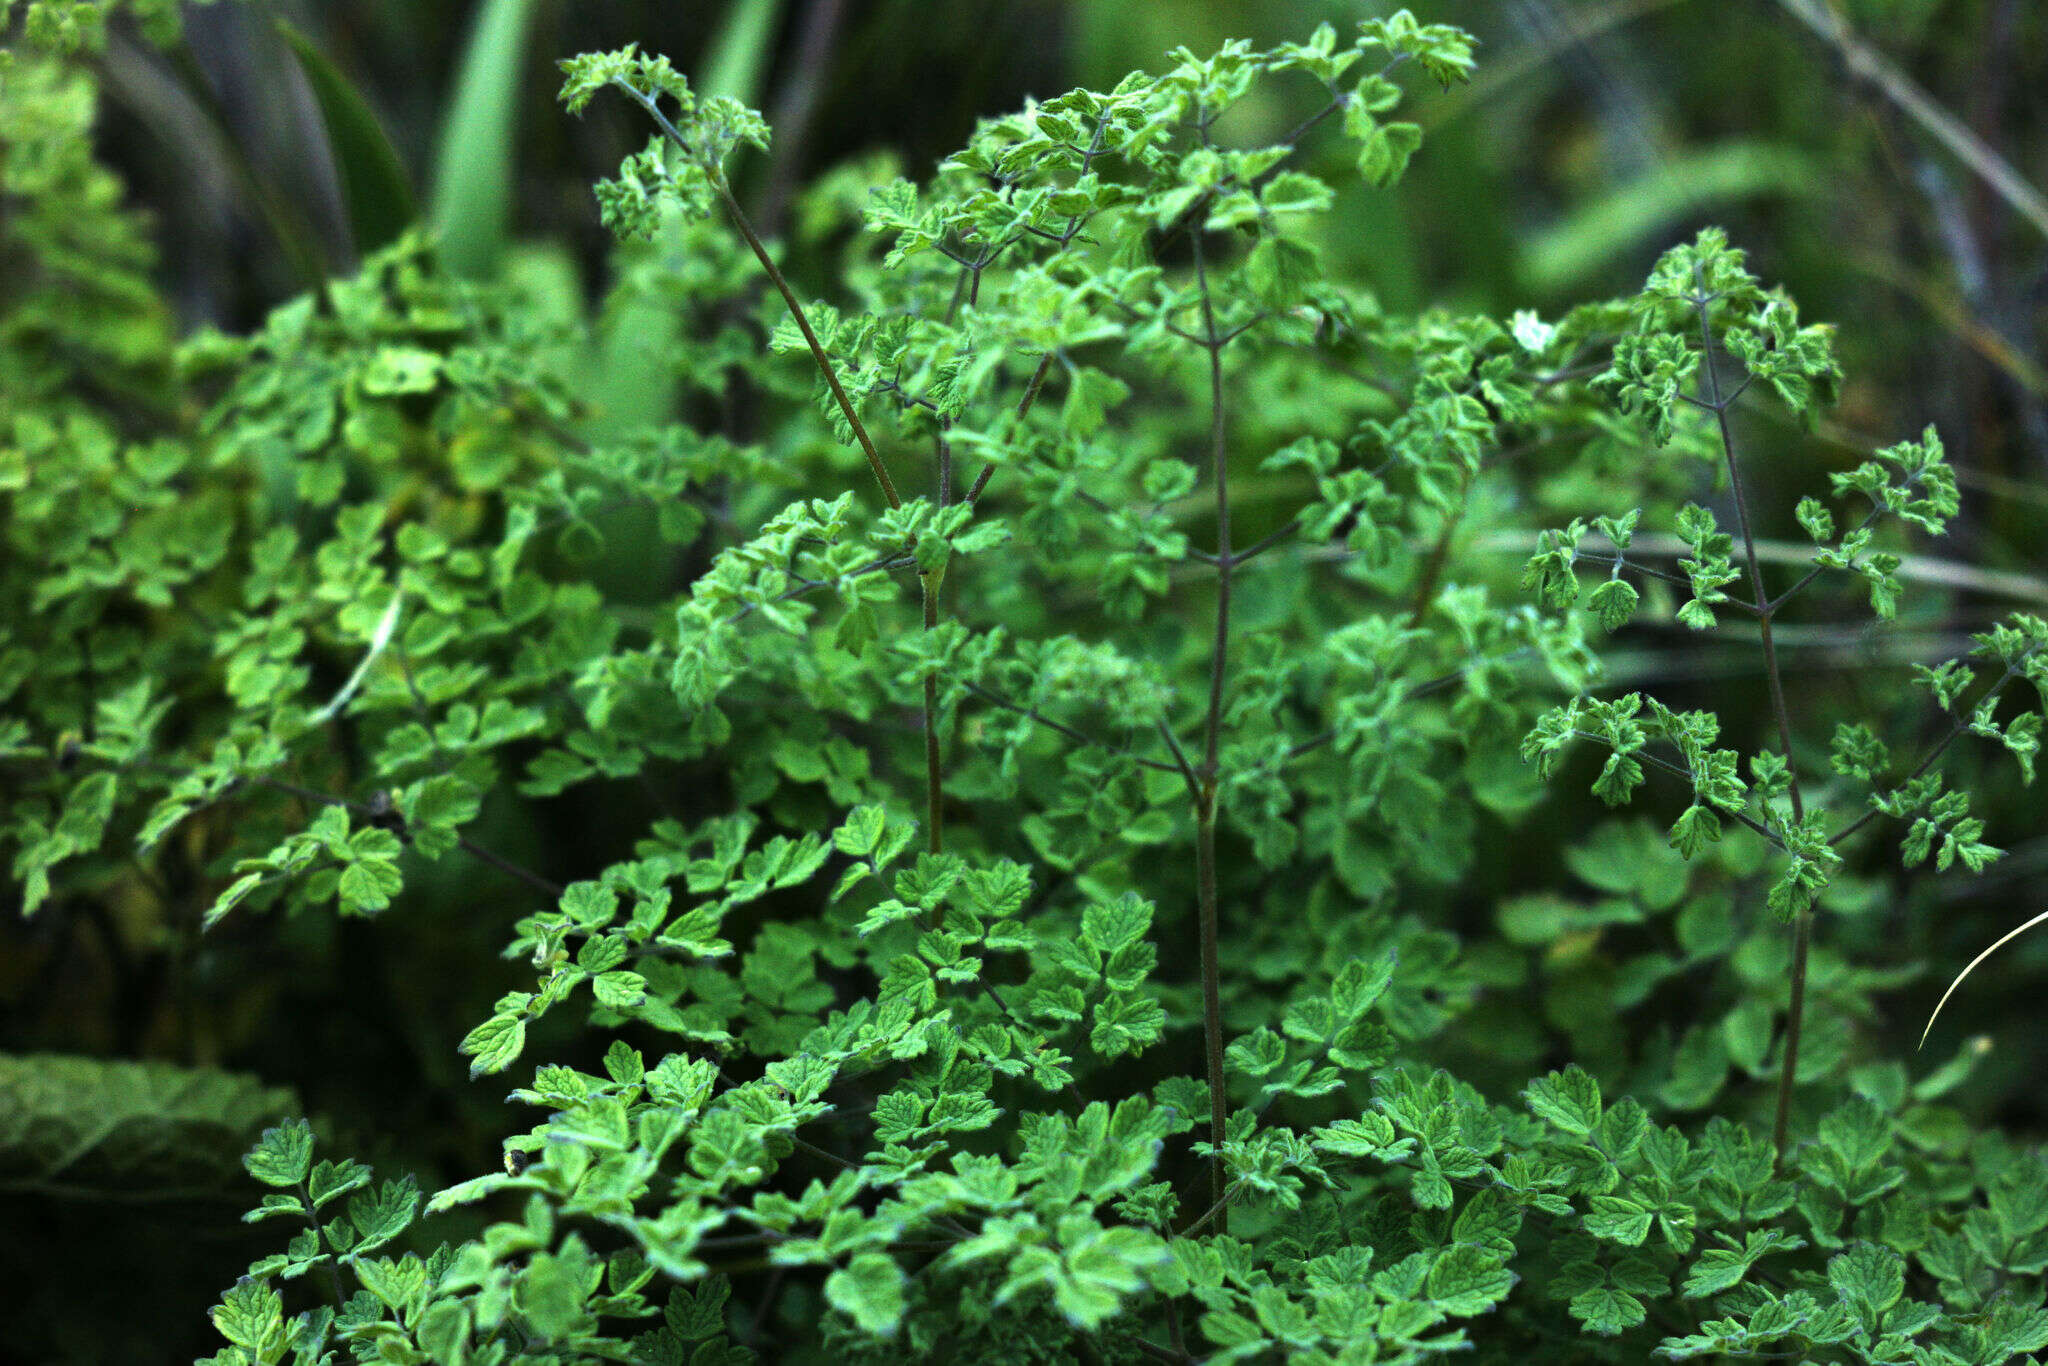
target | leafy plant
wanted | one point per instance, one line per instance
(1060, 967)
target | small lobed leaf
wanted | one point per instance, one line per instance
(869, 1290)
(283, 1155)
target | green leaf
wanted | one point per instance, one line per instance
(554, 1296)
(331, 1179)
(492, 1045)
(1110, 926)
(861, 833)
(1607, 1311)
(1618, 1219)
(399, 1282)
(619, 989)
(1126, 1024)
(1603, 229)
(1856, 1134)
(623, 1064)
(1569, 1100)
(1747, 1031)
(1698, 1069)
(696, 1314)
(2010, 1330)
(436, 810)
(1723, 1268)
(1468, 1280)
(283, 1155)
(1613, 603)
(382, 1216)
(443, 1330)
(104, 1128)
(1279, 270)
(1869, 1279)
(367, 886)
(1816, 520)
(1383, 157)
(251, 1316)
(395, 371)
(869, 1290)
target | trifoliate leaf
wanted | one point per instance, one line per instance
(869, 1289)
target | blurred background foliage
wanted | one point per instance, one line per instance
(1823, 134)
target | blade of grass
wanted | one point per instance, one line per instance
(2000, 943)
(740, 53)
(1614, 224)
(471, 208)
(374, 185)
(289, 226)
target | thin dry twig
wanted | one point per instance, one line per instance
(1866, 63)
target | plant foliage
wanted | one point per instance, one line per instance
(1073, 694)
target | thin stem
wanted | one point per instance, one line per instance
(934, 767)
(467, 845)
(1433, 572)
(1065, 238)
(929, 584)
(1214, 1211)
(898, 560)
(1198, 211)
(1212, 994)
(553, 890)
(945, 455)
(1180, 759)
(1420, 690)
(1756, 574)
(1815, 572)
(1261, 546)
(1079, 737)
(1802, 921)
(1031, 389)
(1302, 129)
(329, 1262)
(1225, 562)
(1681, 771)
(1247, 325)
(796, 102)
(1158, 1353)
(1072, 1092)
(1308, 746)
(1212, 735)
(1802, 938)
(1927, 760)
(1174, 1335)
(1623, 562)
(803, 322)
(775, 277)
(1867, 64)
(954, 1226)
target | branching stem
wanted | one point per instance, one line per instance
(934, 765)
(1079, 737)
(1212, 736)
(1934, 752)
(329, 1261)
(745, 226)
(1802, 922)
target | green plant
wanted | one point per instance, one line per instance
(1058, 969)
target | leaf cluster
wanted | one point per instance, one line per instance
(1033, 918)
